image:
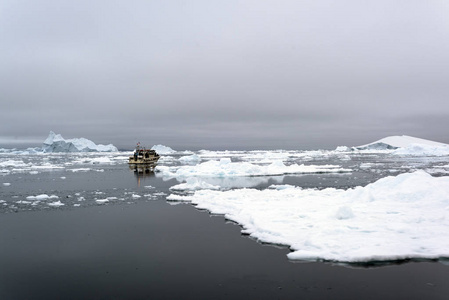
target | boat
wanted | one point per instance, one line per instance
(142, 156)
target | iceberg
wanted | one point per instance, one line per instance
(161, 149)
(395, 142)
(423, 150)
(56, 143)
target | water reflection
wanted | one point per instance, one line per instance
(142, 171)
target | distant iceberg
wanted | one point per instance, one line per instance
(56, 143)
(161, 149)
(395, 142)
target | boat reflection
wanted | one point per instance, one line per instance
(142, 171)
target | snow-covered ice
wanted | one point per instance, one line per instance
(400, 217)
(42, 197)
(161, 149)
(56, 204)
(423, 150)
(56, 143)
(189, 159)
(192, 184)
(402, 141)
(226, 168)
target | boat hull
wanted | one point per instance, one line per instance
(142, 161)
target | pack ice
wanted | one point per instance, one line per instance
(56, 143)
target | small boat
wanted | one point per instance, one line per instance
(142, 156)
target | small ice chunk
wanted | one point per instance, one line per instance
(194, 184)
(55, 204)
(190, 159)
(6, 183)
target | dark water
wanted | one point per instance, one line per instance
(146, 248)
(153, 250)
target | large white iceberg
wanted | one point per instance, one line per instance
(56, 143)
(395, 142)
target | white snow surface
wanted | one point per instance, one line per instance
(400, 217)
(405, 141)
(226, 168)
(56, 143)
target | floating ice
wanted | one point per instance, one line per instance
(80, 170)
(194, 184)
(56, 143)
(226, 168)
(13, 163)
(42, 197)
(423, 150)
(394, 142)
(400, 217)
(56, 204)
(6, 184)
(102, 201)
(190, 159)
(160, 149)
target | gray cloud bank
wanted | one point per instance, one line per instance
(224, 74)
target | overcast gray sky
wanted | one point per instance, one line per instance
(224, 74)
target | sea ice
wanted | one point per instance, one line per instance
(194, 184)
(400, 217)
(161, 149)
(225, 168)
(42, 197)
(56, 204)
(190, 159)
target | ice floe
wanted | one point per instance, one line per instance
(56, 204)
(190, 159)
(400, 217)
(226, 168)
(192, 184)
(42, 197)
(161, 149)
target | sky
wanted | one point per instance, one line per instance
(284, 74)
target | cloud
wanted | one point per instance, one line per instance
(244, 74)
